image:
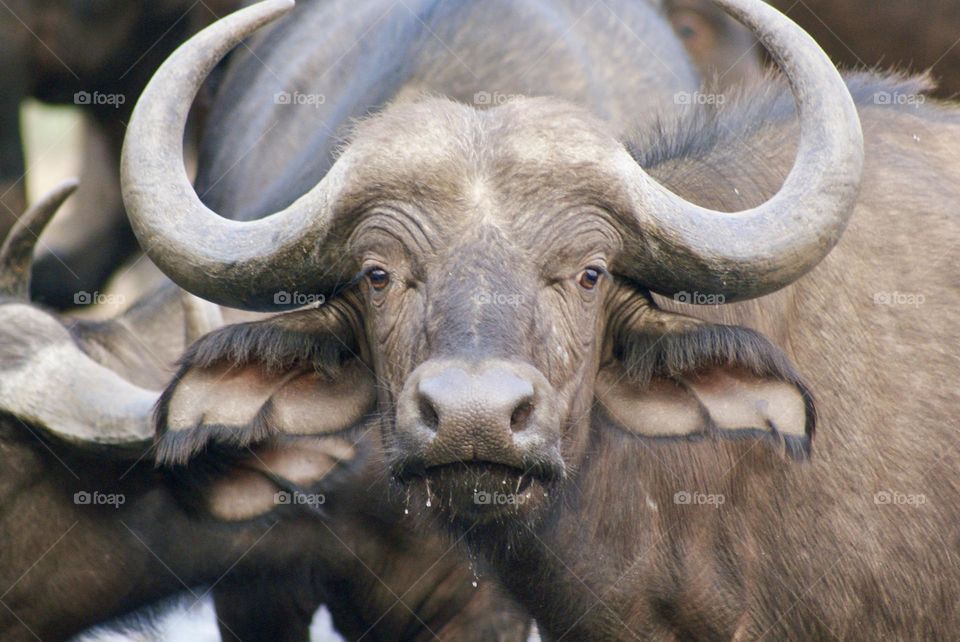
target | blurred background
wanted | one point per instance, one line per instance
(52, 144)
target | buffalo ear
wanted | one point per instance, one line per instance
(248, 383)
(677, 378)
(279, 474)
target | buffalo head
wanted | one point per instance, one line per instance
(486, 278)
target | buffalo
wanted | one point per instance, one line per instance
(92, 531)
(511, 297)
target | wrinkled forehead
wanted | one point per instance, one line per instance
(463, 164)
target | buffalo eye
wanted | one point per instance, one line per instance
(379, 278)
(696, 31)
(589, 278)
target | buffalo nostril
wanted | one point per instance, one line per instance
(428, 414)
(518, 420)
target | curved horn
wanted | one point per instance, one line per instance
(754, 252)
(46, 380)
(16, 254)
(238, 264)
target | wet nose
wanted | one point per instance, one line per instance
(498, 412)
(494, 400)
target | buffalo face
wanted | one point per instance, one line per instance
(483, 322)
(489, 254)
(505, 260)
(472, 329)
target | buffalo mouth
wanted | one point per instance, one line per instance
(479, 490)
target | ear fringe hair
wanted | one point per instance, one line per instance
(646, 355)
(274, 348)
(672, 355)
(264, 344)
